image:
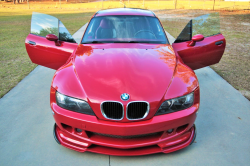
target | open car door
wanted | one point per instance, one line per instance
(49, 43)
(200, 43)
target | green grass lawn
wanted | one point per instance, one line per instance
(14, 28)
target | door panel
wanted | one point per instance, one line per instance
(44, 52)
(203, 53)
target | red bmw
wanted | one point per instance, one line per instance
(124, 90)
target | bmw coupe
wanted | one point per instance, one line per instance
(124, 89)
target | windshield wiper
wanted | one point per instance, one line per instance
(130, 42)
(134, 42)
(95, 41)
(142, 41)
(92, 42)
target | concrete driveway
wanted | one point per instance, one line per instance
(26, 124)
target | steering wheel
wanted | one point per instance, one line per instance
(144, 31)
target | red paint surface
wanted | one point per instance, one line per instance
(46, 53)
(198, 37)
(113, 71)
(51, 37)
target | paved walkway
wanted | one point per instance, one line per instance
(78, 35)
(26, 125)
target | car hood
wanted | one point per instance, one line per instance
(106, 71)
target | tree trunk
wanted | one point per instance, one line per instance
(13, 1)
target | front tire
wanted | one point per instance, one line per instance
(195, 130)
(54, 134)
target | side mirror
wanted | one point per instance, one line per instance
(196, 38)
(52, 37)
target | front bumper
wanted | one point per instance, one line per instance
(125, 139)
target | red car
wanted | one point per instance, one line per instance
(124, 90)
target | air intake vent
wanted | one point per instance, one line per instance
(112, 110)
(128, 136)
(137, 110)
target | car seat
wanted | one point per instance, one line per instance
(104, 31)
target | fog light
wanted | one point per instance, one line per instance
(170, 131)
(78, 130)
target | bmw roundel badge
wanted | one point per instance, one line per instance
(125, 96)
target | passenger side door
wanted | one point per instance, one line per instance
(49, 43)
(200, 43)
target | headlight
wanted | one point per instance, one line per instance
(176, 104)
(73, 104)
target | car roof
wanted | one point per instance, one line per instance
(125, 11)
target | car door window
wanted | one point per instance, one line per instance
(43, 24)
(64, 34)
(207, 25)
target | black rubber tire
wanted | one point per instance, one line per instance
(195, 132)
(54, 134)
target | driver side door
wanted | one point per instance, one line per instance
(195, 51)
(41, 49)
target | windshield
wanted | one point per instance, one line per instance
(124, 29)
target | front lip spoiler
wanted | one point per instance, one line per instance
(146, 150)
(54, 134)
